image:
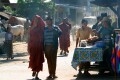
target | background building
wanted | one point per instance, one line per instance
(75, 10)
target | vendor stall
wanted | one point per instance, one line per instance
(95, 53)
(85, 54)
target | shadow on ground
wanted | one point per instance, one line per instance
(98, 77)
(61, 56)
(42, 79)
(17, 57)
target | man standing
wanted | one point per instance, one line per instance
(26, 28)
(83, 33)
(8, 43)
(51, 34)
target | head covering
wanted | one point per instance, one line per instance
(49, 18)
(41, 21)
(99, 18)
(103, 15)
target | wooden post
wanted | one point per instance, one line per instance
(114, 36)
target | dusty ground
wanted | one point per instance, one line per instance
(17, 69)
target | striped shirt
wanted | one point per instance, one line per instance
(48, 36)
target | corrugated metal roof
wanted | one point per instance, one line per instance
(5, 15)
(105, 3)
(69, 6)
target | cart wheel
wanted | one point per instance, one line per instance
(101, 72)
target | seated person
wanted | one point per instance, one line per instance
(104, 33)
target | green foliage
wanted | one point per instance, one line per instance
(28, 8)
(8, 9)
(20, 1)
(36, 1)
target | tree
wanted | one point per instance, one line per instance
(28, 8)
(21, 8)
(8, 9)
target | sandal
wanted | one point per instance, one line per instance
(61, 52)
(36, 78)
(55, 77)
(49, 77)
(33, 74)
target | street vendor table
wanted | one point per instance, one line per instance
(85, 54)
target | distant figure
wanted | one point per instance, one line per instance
(51, 35)
(73, 32)
(27, 24)
(8, 43)
(57, 21)
(2, 27)
(99, 19)
(65, 37)
(35, 45)
(114, 24)
(26, 29)
(97, 24)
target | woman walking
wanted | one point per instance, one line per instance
(8, 43)
(35, 45)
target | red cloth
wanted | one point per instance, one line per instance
(65, 37)
(35, 45)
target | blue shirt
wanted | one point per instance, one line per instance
(8, 36)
